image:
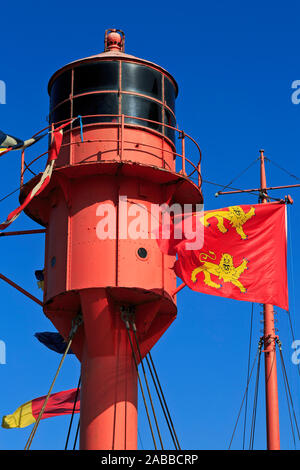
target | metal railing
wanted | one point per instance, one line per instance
(195, 169)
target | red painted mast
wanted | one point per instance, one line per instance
(271, 389)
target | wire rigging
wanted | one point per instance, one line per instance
(127, 315)
(248, 371)
(164, 399)
(11, 193)
(239, 175)
(244, 396)
(164, 408)
(140, 439)
(32, 434)
(163, 403)
(291, 257)
(73, 412)
(252, 433)
(76, 436)
(288, 386)
(252, 193)
(75, 324)
(127, 325)
(146, 381)
(289, 408)
(243, 172)
(282, 169)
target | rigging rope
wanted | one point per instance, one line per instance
(76, 436)
(248, 370)
(237, 420)
(252, 193)
(11, 193)
(282, 169)
(173, 433)
(141, 442)
(73, 412)
(164, 407)
(239, 175)
(287, 384)
(146, 381)
(290, 244)
(289, 408)
(252, 433)
(127, 325)
(75, 324)
(293, 336)
(163, 397)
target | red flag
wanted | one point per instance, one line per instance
(60, 403)
(46, 176)
(243, 255)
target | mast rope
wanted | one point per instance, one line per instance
(291, 257)
(248, 371)
(124, 316)
(239, 175)
(289, 408)
(163, 403)
(73, 412)
(287, 384)
(293, 337)
(252, 193)
(11, 193)
(282, 169)
(76, 322)
(140, 438)
(250, 375)
(252, 433)
(146, 381)
(170, 424)
(76, 436)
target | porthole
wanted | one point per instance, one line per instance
(142, 253)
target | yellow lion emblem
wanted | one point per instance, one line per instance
(235, 215)
(224, 271)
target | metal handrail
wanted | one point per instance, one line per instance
(120, 142)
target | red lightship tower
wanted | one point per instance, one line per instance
(125, 147)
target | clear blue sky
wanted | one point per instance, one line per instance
(234, 63)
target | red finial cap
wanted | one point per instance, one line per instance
(114, 40)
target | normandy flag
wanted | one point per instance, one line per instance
(61, 403)
(242, 254)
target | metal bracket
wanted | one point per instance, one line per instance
(268, 340)
(76, 322)
(127, 314)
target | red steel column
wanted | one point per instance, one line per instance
(108, 403)
(272, 409)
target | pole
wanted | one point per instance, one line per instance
(108, 404)
(272, 409)
(22, 232)
(20, 289)
(239, 191)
